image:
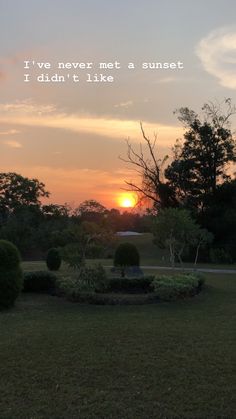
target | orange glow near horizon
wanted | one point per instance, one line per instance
(127, 200)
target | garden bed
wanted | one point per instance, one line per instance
(115, 298)
(91, 285)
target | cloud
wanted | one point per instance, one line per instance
(124, 104)
(28, 107)
(3, 75)
(217, 52)
(30, 114)
(13, 144)
(166, 80)
(10, 132)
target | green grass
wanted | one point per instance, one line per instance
(150, 255)
(145, 246)
(170, 360)
(153, 255)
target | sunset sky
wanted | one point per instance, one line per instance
(70, 135)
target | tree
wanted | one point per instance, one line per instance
(175, 230)
(17, 191)
(53, 259)
(56, 211)
(79, 238)
(220, 217)
(150, 168)
(91, 210)
(200, 163)
(21, 228)
(201, 238)
(11, 276)
(126, 255)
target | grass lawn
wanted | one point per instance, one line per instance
(170, 360)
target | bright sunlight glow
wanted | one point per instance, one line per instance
(127, 200)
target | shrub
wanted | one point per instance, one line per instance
(170, 288)
(9, 255)
(219, 255)
(73, 256)
(200, 277)
(126, 255)
(88, 280)
(39, 281)
(114, 299)
(94, 251)
(131, 285)
(53, 259)
(10, 274)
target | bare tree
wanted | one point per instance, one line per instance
(149, 167)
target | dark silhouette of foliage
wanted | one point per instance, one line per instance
(16, 191)
(126, 255)
(10, 274)
(200, 162)
(53, 259)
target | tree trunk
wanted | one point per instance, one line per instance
(197, 252)
(172, 256)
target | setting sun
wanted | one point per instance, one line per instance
(127, 200)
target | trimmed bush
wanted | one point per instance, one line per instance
(10, 274)
(126, 255)
(174, 287)
(53, 259)
(9, 255)
(39, 281)
(131, 285)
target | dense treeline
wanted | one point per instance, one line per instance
(35, 227)
(199, 179)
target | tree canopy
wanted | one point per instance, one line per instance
(200, 163)
(17, 190)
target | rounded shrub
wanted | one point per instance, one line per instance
(53, 259)
(39, 281)
(11, 278)
(126, 255)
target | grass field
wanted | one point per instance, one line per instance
(169, 360)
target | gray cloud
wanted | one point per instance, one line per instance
(217, 52)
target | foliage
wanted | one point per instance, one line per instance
(16, 190)
(91, 211)
(10, 274)
(89, 279)
(130, 285)
(9, 255)
(200, 163)
(220, 218)
(173, 229)
(72, 254)
(83, 241)
(220, 255)
(53, 259)
(21, 227)
(174, 287)
(126, 255)
(39, 281)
